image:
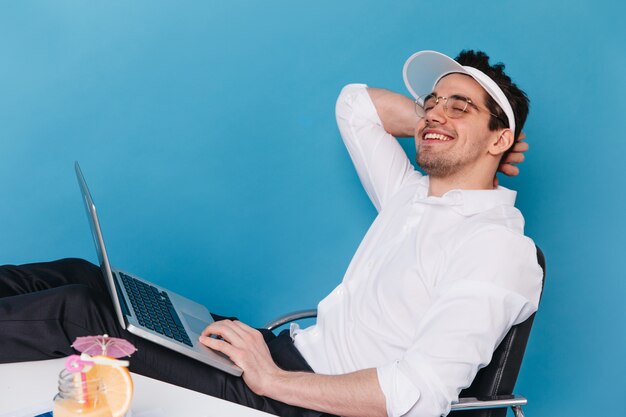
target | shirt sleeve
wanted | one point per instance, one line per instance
(473, 308)
(381, 163)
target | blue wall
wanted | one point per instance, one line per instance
(206, 132)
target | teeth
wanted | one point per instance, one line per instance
(436, 136)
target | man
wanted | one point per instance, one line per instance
(438, 280)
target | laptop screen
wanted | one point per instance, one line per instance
(96, 233)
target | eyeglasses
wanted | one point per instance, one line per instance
(453, 106)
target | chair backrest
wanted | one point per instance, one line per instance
(498, 378)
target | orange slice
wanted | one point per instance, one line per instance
(117, 386)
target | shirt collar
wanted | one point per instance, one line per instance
(466, 202)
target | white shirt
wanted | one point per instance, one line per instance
(435, 284)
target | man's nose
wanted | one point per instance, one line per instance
(436, 114)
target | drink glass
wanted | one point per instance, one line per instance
(80, 396)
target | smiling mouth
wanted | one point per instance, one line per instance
(437, 137)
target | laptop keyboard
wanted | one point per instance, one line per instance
(154, 309)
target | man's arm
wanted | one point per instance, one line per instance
(354, 394)
(381, 163)
(396, 112)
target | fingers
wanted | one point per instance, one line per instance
(229, 339)
(219, 345)
(243, 344)
(508, 169)
(514, 158)
(520, 147)
(234, 333)
(227, 330)
(215, 327)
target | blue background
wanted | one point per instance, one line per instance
(206, 131)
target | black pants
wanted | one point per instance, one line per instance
(45, 306)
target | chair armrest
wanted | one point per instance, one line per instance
(497, 401)
(289, 317)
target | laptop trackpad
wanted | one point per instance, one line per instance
(195, 324)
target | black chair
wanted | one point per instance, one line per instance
(491, 392)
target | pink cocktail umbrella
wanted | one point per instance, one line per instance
(104, 345)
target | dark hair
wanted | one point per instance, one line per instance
(517, 98)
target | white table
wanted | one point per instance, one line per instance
(31, 383)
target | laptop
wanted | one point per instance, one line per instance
(149, 310)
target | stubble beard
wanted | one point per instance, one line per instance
(446, 164)
(437, 166)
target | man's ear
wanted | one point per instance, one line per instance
(503, 141)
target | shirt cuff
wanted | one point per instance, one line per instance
(400, 393)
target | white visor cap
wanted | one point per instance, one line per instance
(423, 70)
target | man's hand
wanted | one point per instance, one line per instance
(516, 156)
(245, 346)
(356, 394)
